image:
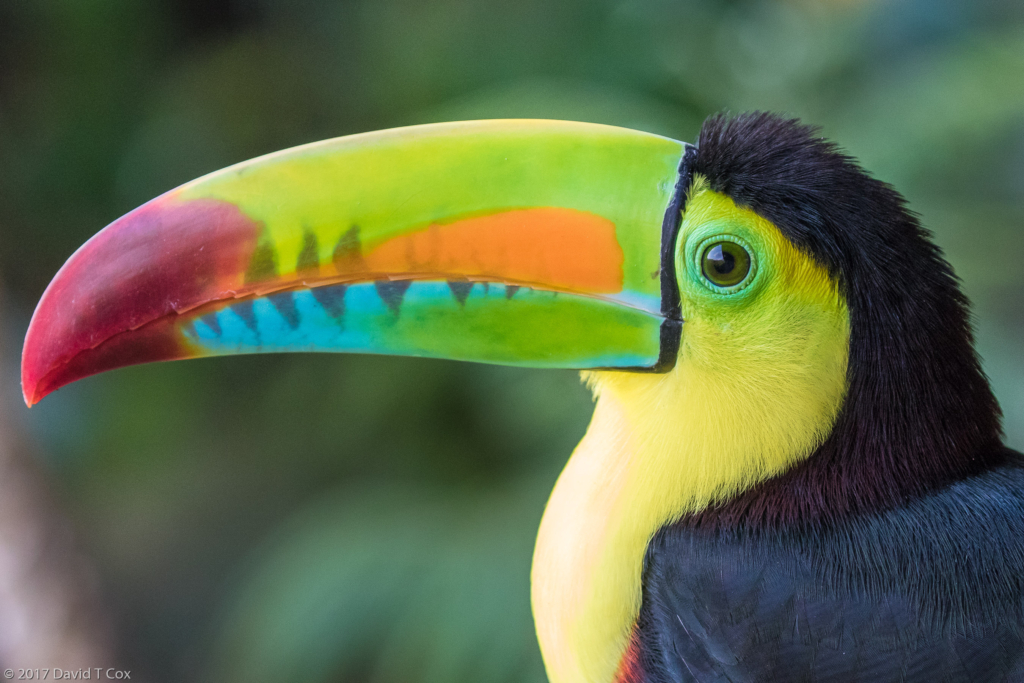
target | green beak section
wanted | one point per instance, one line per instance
(531, 243)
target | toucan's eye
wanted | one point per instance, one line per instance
(725, 264)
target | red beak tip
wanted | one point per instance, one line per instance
(30, 391)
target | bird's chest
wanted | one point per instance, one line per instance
(721, 608)
(586, 579)
(734, 610)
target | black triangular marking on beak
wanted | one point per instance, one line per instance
(243, 309)
(392, 292)
(460, 290)
(210, 320)
(309, 257)
(348, 252)
(263, 265)
(332, 299)
(284, 302)
(510, 291)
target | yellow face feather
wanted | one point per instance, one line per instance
(760, 378)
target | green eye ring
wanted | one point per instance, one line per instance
(726, 263)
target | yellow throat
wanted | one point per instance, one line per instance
(758, 383)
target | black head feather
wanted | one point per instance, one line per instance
(919, 412)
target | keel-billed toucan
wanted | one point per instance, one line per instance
(794, 470)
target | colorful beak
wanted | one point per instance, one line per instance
(529, 243)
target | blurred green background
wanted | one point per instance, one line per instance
(328, 518)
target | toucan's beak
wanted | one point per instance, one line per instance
(530, 243)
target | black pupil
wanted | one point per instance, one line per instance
(722, 261)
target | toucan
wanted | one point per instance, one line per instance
(795, 468)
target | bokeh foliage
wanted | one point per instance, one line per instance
(333, 518)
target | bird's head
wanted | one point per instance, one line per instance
(801, 280)
(759, 275)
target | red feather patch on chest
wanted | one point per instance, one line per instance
(630, 667)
